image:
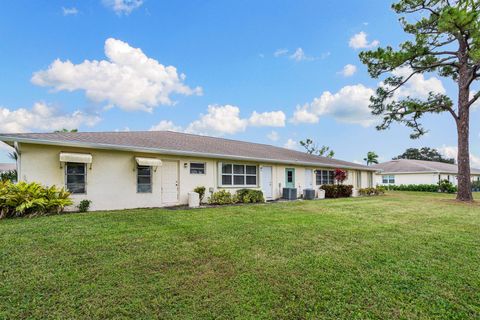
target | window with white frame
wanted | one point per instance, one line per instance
(324, 177)
(197, 167)
(358, 179)
(76, 177)
(238, 175)
(388, 179)
(144, 179)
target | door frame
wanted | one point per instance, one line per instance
(177, 182)
(310, 178)
(286, 177)
(271, 181)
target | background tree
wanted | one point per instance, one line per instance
(312, 148)
(425, 153)
(13, 155)
(446, 40)
(372, 157)
(65, 130)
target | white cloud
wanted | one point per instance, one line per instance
(349, 105)
(273, 136)
(348, 70)
(128, 79)
(5, 147)
(291, 144)
(225, 119)
(418, 86)
(304, 114)
(42, 117)
(451, 152)
(69, 11)
(299, 55)
(123, 6)
(267, 119)
(219, 120)
(280, 52)
(359, 41)
(165, 125)
(476, 104)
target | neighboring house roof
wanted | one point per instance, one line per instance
(175, 143)
(7, 166)
(419, 166)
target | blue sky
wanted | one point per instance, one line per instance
(272, 72)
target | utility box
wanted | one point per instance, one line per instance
(308, 194)
(355, 192)
(289, 193)
(321, 194)
(193, 200)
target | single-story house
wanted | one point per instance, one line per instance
(119, 170)
(7, 167)
(405, 171)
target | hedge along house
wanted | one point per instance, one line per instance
(119, 170)
(405, 171)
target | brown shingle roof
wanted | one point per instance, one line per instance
(420, 166)
(182, 144)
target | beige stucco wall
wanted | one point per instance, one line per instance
(111, 179)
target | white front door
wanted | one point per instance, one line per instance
(267, 185)
(308, 179)
(169, 182)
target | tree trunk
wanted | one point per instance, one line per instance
(463, 159)
(463, 156)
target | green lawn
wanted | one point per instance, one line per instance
(403, 255)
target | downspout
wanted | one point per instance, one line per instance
(16, 146)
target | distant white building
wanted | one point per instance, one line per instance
(7, 167)
(404, 171)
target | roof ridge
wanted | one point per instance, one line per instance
(170, 131)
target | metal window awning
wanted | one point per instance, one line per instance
(149, 162)
(75, 157)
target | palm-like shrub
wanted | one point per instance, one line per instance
(29, 199)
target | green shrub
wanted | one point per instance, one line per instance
(10, 175)
(29, 199)
(222, 197)
(414, 187)
(443, 186)
(476, 185)
(446, 186)
(201, 192)
(378, 190)
(84, 205)
(337, 190)
(250, 196)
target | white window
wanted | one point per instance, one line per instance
(238, 175)
(197, 167)
(359, 178)
(144, 179)
(388, 179)
(324, 177)
(76, 177)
